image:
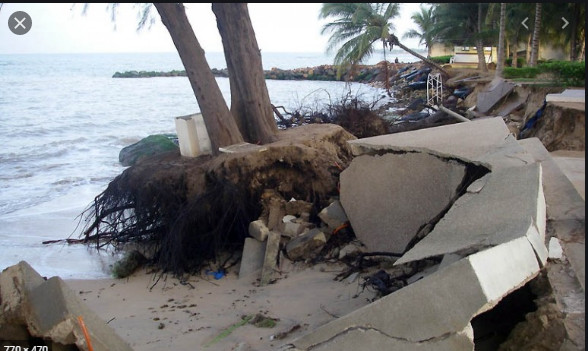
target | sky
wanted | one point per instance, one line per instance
(62, 28)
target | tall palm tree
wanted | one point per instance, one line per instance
(425, 20)
(356, 27)
(501, 35)
(535, 40)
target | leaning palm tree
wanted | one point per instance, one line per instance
(356, 27)
(425, 20)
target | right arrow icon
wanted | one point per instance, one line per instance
(523, 22)
(566, 23)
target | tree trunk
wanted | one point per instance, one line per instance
(222, 129)
(387, 79)
(515, 56)
(393, 40)
(528, 50)
(250, 103)
(500, 63)
(479, 44)
(535, 41)
(574, 26)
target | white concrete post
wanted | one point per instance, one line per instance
(192, 135)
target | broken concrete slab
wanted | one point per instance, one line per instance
(497, 90)
(388, 198)
(333, 215)
(258, 230)
(486, 141)
(510, 205)
(511, 106)
(306, 246)
(252, 258)
(52, 313)
(563, 199)
(450, 304)
(364, 338)
(568, 95)
(16, 282)
(270, 259)
(48, 309)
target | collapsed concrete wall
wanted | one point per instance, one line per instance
(494, 235)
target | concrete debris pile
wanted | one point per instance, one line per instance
(470, 197)
(47, 311)
(284, 232)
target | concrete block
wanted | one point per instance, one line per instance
(16, 282)
(333, 215)
(306, 246)
(258, 230)
(270, 259)
(388, 198)
(555, 250)
(509, 206)
(252, 258)
(193, 137)
(442, 303)
(52, 312)
(292, 229)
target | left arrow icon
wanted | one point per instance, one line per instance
(523, 22)
(566, 23)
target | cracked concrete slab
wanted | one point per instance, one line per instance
(388, 198)
(510, 205)
(371, 339)
(486, 142)
(443, 303)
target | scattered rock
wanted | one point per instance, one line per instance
(149, 146)
(306, 246)
(333, 215)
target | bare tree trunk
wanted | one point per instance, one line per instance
(222, 129)
(250, 103)
(387, 83)
(500, 63)
(573, 39)
(515, 56)
(528, 50)
(535, 41)
(480, 44)
(393, 40)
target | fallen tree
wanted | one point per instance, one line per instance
(192, 209)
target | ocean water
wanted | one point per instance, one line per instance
(63, 121)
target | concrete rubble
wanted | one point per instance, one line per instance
(34, 307)
(490, 242)
(497, 90)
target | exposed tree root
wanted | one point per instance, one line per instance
(191, 209)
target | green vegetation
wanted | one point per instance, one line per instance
(563, 72)
(441, 59)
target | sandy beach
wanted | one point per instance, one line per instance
(196, 313)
